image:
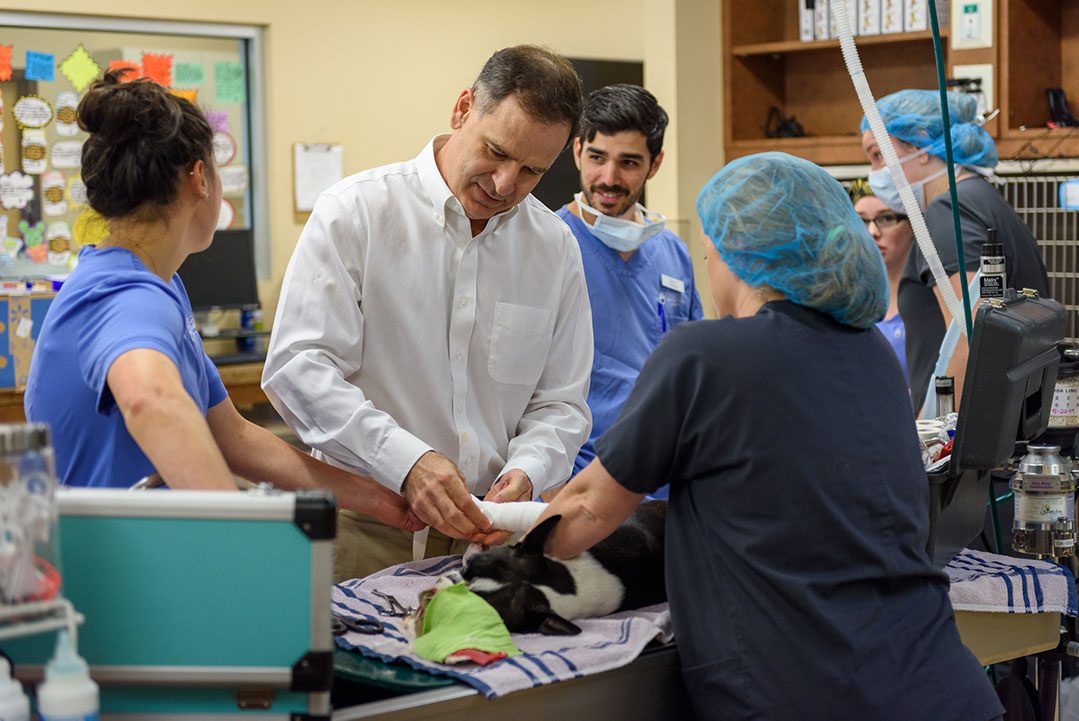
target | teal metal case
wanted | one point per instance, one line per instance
(198, 603)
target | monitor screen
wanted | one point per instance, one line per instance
(223, 275)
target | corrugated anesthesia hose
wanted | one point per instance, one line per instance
(891, 160)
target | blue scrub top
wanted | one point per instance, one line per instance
(110, 304)
(895, 333)
(634, 303)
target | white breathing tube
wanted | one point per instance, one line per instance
(891, 160)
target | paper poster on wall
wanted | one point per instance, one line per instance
(67, 154)
(191, 95)
(229, 79)
(1, 121)
(58, 242)
(16, 190)
(1, 158)
(133, 69)
(53, 186)
(186, 74)
(40, 66)
(67, 121)
(316, 166)
(32, 111)
(9, 245)
(80, 68)
(233, 180)
(218, 120)
(5, 62)
(76, 191)
(157, 67)
(34, 152)
(33, 239)
(224, 148)
(227, 215)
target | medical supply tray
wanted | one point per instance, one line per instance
(198, 604)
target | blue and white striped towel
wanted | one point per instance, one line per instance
(1001, 584)
(604, 643)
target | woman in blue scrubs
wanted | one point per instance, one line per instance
(799, 583)
(119, 371)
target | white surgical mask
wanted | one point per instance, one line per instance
(882, 185)
(620, 234)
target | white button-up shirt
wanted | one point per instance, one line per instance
(398, 332)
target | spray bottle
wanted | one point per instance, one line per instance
(14, 705)
(992, 282)
(68, 693)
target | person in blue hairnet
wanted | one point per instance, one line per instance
(914, 122)
(799, 583)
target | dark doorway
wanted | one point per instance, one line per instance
(561, 181)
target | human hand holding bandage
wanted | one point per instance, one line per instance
(515, 517)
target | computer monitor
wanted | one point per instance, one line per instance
(223, 275)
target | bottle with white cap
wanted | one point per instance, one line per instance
(14, 705)
(67, 693)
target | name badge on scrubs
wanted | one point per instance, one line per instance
(676, 284)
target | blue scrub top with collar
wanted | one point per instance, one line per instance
(634, 303)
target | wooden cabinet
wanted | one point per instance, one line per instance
(766, 65)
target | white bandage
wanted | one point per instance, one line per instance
(516, 517)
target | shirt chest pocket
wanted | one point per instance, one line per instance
(520, 340)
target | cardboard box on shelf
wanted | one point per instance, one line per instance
(21, 317)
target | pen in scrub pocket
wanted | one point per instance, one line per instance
(662, 316)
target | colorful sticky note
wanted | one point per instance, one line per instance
(5, 62)
(229, 78)
(186, 74)
(189, 94)
(134, 71)
(80, 68)
(218, 120)
(40, 66)
(157, 67)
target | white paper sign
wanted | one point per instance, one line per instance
(52, 193)
(66, 119)
(16, 190)
(67, 154)
(30, 111)
(24, 328)
(226, 216)
(317, 167)
(224, 148)
(58, 239)
(233, 179)
(76, 190)
(35, 156)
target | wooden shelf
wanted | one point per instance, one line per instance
(1036, 143)
(820, 149)
(785, 47)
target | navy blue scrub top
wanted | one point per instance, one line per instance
(799, 583)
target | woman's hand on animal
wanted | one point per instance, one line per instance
(513, 486)
(437, 493)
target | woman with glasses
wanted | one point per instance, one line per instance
(893, 235)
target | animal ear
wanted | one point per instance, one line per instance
(555, 625)
(537, 537)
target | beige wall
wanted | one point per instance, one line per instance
(380, 76)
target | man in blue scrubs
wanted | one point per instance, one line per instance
(639, 274)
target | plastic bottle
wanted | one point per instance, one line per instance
(992, 282)
(14, 705)
(67, 693)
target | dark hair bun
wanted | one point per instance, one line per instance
(141, 138)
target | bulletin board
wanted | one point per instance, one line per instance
(44, 72)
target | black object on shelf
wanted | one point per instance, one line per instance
(228, 359)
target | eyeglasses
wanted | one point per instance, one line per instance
(885, 220)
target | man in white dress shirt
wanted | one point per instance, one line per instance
(433, 329)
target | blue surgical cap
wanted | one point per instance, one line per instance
(913, 116)
(783, 222)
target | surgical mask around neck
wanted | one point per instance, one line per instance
(882, 185)
(624, 236)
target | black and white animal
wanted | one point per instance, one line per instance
(537, 593)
